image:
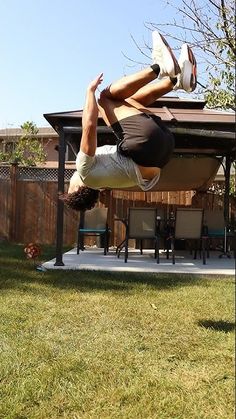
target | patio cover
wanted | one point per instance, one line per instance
(203, 134)
(203, 139)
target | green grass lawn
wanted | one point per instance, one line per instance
(77, 344)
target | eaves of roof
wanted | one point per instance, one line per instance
(197, 129)
(43, 132)
(169, 111)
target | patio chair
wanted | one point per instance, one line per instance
(141, 224)
(94, 223)
(215, 227)
(188, 226)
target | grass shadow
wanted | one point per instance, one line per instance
(217, 325)
(25, 275)
(17, 272)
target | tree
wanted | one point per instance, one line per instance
(28, 150)
(209, 27)
(219, 189)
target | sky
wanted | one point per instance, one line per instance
(51, 49)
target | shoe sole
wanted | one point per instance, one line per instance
(193, 77)
(177, 69)
(189, 70)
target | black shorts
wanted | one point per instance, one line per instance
(145, 139)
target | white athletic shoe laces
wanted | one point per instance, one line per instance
(162, 55)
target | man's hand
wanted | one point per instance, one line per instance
(95, 83)
(88, 142)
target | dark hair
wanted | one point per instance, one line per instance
(83, 199)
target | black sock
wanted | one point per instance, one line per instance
(156, 69)
(173, 80)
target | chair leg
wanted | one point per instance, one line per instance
(108, 240)
(199, 247)
(119, 248)
(208, 248)
(141, 246)
(105, 244)
(203, 252)
(195, 249)
(157, 248)
(234, 243)
(167, 248)
(126, 249)
(173, 250)
(78, 243)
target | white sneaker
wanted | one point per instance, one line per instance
(163, 56)
(187, 79)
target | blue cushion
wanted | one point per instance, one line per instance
(216, 233)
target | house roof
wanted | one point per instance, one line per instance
(17, 132)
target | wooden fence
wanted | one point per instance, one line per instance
(29, 205)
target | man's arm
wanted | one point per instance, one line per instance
(89, 119)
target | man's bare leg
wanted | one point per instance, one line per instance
(150, 93)
(114, 103)
(113, 110)
(129, 85)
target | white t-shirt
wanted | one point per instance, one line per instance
(109, 169)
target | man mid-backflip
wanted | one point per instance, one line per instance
(144, 143)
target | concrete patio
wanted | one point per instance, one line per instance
(94, 259)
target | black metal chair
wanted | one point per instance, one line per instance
(141, 224)
(216, 228)
(188, 225)
(94, 223)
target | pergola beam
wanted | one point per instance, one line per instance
(60, 203)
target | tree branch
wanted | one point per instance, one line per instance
(215, 5)
(226, 28)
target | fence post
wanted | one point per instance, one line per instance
(13, 192)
